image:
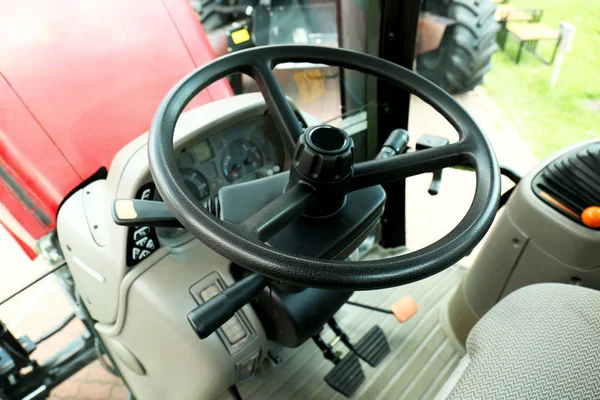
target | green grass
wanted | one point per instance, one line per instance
(550, 119)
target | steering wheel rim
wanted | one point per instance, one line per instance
(243, 243)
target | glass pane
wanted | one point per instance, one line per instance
(313, 24)
(323, 93)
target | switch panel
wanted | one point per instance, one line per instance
(141, 240)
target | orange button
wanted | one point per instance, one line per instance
(591, 217)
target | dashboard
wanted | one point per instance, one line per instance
(247, 150)
(242, 152)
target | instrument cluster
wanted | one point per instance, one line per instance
(242, 152)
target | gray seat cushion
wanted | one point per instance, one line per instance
(540, 342)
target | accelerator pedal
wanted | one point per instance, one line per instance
(347, 375)
(373, 347)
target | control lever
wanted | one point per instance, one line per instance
(210, 315)
(515, 177)
(133, 212)
(434, 187)
(429, 142)
(395, 144)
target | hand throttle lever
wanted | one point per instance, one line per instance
(210, 315)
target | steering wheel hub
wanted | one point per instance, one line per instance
(323, 159)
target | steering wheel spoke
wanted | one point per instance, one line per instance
(381, 171)
(267, 222)
(283, 114)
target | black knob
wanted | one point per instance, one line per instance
(324, 154)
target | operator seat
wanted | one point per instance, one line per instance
(540, 342)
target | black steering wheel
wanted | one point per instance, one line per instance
(244, 243)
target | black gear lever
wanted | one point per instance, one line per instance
(210, 315)
(429, 142)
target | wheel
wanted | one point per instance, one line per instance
(312, 195)
(465, 53)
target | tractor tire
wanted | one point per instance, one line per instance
(465, 52)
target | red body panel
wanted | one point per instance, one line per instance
(79, 80)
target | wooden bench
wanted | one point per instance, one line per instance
(509, 13)
(506, 13)
(529, 35)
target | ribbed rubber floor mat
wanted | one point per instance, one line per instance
(422, 355)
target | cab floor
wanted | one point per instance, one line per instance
(422, 357)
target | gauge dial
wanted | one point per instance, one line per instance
(241, 157)
(196, 182)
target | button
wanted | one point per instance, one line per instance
(210, 292)
(276, 168)
(142, 241)
(386, 152)
(150, 245)
(140, 233)
(144, 254)
(135, 253)
(233, 330)
(146, 194)
(591, 217)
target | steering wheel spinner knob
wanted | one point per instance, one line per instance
(323, 158)
(324, 153)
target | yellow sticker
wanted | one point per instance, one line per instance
(240, 36)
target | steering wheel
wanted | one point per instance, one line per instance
(244, 243)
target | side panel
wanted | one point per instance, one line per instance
(93, 73)
(35, 175)
(532, 243)
(78, 82)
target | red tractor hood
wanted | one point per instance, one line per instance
(78, 81)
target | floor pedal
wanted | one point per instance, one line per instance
(347, 376)
(373, 347)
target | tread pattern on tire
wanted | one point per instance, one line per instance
(465, 53)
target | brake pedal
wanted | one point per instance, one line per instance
(373, 347)
(347, 375)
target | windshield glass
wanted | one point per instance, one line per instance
(327, 92)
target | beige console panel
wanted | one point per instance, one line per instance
(532, 243)
(176, 364)
(142, 310)
(93, 245)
